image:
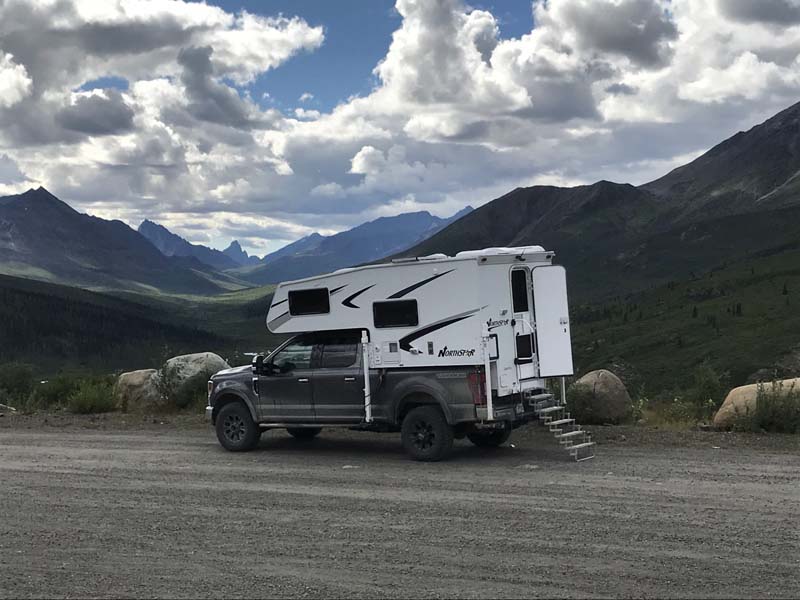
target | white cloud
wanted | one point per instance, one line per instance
(14, 81)
(598, 89)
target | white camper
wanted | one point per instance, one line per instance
(502, 308)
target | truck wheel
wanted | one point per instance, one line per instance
(304, 433)
(426, 435)
(490, 439)
(236, 430)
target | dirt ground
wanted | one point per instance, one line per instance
(121, 506)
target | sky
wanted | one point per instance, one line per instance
(265, 121)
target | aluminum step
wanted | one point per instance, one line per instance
(570, 434)
(579, 446)
(560, 422)
(540, 398)
(549, 409)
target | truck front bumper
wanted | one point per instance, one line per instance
(209, 413)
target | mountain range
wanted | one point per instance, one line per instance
(316, 254)
(43, 238)
(738, 200)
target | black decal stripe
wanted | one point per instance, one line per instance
(405, 343)
(348, 302)
(279, 320)
(411, 288)
(338, 289)
(281, 302)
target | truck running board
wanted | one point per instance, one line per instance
(575, 440)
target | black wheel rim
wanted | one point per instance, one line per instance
(424, 435)
(234, 428)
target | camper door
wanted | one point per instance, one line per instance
(522, 308)
(554, 347)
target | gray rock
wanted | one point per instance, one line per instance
(181, 369)
(599, 397)
(138, 391)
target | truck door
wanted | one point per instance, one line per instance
(285, 392)
(552, 321)
(338, 381)
(523, 322)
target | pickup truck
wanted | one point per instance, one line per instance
(316, 380)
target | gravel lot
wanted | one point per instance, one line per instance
(114, 507)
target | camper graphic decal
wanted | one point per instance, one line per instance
(417, 285)
(495, 323)
(348, 302)
(447, 353)
(405, 342)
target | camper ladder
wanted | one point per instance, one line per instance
(553, 415)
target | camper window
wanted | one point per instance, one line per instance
(519, 290)
(314, 301)
(395, 313)
(524, 346)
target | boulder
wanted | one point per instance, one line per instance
(181, 369)
(744, 399)
(138, 390)
(599, 397)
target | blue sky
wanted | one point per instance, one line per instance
(357, 37)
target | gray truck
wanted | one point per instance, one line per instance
(316, 380)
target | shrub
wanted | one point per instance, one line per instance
(193, 392)
(92, 396)
(777, 410)
(705, 395)
(54, 392)
(16, 381)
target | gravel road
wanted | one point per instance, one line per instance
(164, 511)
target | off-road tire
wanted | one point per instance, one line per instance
(490, 439)
(236, 430)
(304, 433)
(425, 434)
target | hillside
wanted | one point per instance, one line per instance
(367, 242)
(63, 327)
(170, 244)
(736, 201)
(43, 238)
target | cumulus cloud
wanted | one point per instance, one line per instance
(777, 12)
(101, 113)
(458, 113)
(14, 81)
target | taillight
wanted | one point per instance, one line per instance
(477, 385)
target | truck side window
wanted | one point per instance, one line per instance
(338, 354)
(519, 290)
(297, 355)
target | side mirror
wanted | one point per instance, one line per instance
(258, 364)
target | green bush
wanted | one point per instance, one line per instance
(54, 392)
(16, 382)
(193, 392)
(777, 410)
(92, 396)
(580, 400)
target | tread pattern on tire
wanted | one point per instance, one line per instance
(443, 433)
(252, 431)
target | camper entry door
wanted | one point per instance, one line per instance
(522, 308)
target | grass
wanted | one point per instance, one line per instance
(777, 410)
(92, 396)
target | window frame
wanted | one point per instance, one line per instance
(294, 293)
(381, 303)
